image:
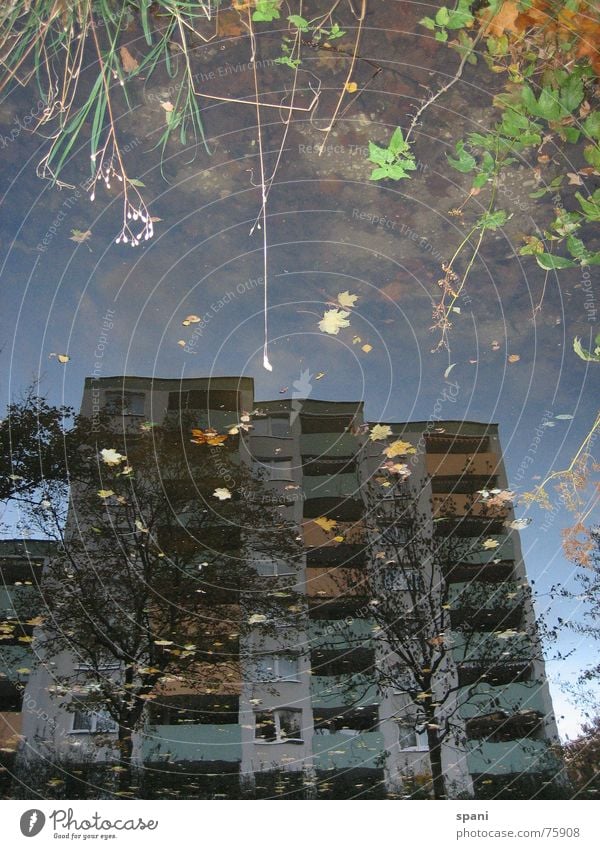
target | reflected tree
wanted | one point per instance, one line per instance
(441, 628)
(152, 585)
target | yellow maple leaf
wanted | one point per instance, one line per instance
(333, 320)
(207, 437)
(399, 448)
(379, 431)
(326, 524)
(345, 299)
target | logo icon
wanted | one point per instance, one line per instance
(302, 389)
(32, 822)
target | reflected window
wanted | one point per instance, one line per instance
(271, 426)
(275, 470)
(276, 667)
(125, 403)
(281, 725)
(93, 722)
(271, 568)
(411, 738)
(394, 536)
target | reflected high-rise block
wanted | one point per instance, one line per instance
(372, 632)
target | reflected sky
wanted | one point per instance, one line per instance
(330, 230)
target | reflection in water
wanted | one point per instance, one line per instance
(249, 589)
(279, 597)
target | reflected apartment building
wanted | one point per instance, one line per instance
(306, 712)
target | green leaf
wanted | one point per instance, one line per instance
(487, 162)
(591, 154)
(397, 144)
(591, 208)
(427, 22)
(492, 220)
(591, 125)
(539, 193)
(529, 100)
(533, 246)
(134, 182)
(480, 180)
(299, 22)
(550, 262)
(397, 172)
(285, 60)
(576, 248)
(266, 10)
(441, 35)
(335, 32)
(487, 142)
(465, 161)
(378, 155)
(571, 92)
(548, 105)
(442, 16)
(571, 134)
(378, 174)
(461, 16)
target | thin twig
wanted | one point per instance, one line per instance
(327, 130)
(427, 103)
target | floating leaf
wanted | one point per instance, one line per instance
(351, 87)
(513, 358)
(448, 370)
(345, 299)
(506, 635)
(208, 436)
(399, 448)
(62, 358)
(519, 524)
(80, 236)
(327, 524)
(141, 527)
(222, 493)
(333, 321)
(490, 544)
(191, 319)
(105, 493)
(112, 457)
(367, 348)
(397, 468)
(587, 355)
(379, 431)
